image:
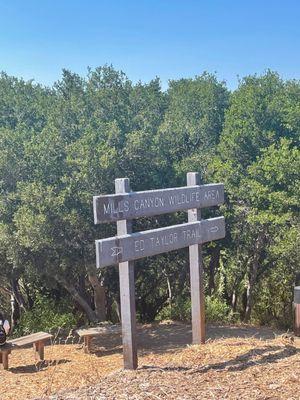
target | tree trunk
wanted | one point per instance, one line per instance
(15, 312)
(213, 267)
(169, 291)
(17, 302)
(29, 299)
(249, 295)
(118, 312)
(82, 289)
(99, 295)
(233, 301)
(79, 299)
(253, 277)
(15, 287)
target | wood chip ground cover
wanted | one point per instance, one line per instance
(236, 363)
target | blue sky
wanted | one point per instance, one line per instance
(166, 38)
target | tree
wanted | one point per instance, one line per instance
(60, 146)
(193, 122)
(257, 137)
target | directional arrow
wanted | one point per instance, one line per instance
(116, 251)
(137, 245)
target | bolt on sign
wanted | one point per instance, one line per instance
(126, 247)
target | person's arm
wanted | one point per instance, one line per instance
(6, 326)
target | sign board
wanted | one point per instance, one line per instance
(114, 207)
(130, 247)
(126, 247)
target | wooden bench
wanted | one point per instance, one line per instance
(89, 333)
(36, 339)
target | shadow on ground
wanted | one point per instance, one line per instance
(161, 338)
(256, 357)
(34, 368)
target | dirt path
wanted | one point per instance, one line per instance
(167, 337)
(67, 367)
(224, 369)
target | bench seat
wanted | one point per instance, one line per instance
(36, 339)
(89, 333)
(29, 339)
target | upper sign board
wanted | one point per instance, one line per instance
(114, 207)
(133, 246)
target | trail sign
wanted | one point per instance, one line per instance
(156, 241)
(114, 207)
(126, 247)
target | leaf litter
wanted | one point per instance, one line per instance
(223, 368)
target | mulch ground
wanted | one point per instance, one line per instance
(235, 363)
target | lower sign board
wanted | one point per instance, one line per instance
(118, 249)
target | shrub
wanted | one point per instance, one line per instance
(216, 310)
(46, 315)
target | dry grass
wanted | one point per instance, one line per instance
(66, 366)
(224, 368)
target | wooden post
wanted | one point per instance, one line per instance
(41, 349)
(87, 344)
(297, 310)
(196, 273)
(35, 346)
(5, 359)
(127, 290)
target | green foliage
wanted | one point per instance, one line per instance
(216, 310)
(259, 162)
(180, 310)
(193, 121)
(61, 146)
(46, 315)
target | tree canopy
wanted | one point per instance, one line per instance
(60, 146)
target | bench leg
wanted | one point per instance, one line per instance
(87, 344)
(36, 347)
(4, 359)
(39, 348)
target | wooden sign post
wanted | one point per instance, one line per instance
(126, 247)
(196, 273)
(127, 291)
(297, 310)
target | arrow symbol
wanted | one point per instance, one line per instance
(116, 251)
(214, 229)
